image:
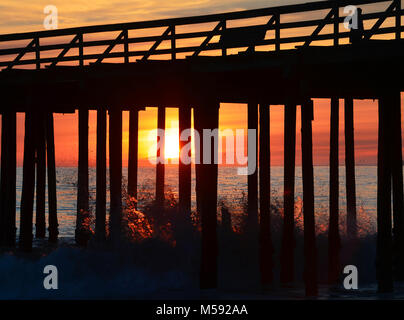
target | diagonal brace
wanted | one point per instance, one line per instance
(110, 47)
(21, 54)
(163, 37)
(320, 27)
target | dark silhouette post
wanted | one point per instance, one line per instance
(206, 116)
(310, 250)
(288, 239)
(350, 170)
(252, 222)
(101, 172)
(28, 185)
(397, 175)
(115, 172)
(52, 196)
(265, 197)
(160, 167)
(82, 184)
(40, 145)
(334, 242)
(185, 168)
(384, 263)
(133, 153)
(198, 160)
(8, 179)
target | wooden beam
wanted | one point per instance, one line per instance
(252, 223)
(81, 234)
(277, 32)
(205, 42)
(115, 173)
(350, 169)
(397, 178)
(397, 12)
(336, 26)
(384, 263)
(28, 185)
(334, 243)
(310, 250)
(265, 239)
(320, 27)
(184, 174)
(380, 21)
(173, 44)
(206, 116)
(288, 239)
(21, 54)
(112, 44)
(37, 53)
(133, 154)
(52, 195)
(101, 172)
(65, 50)
(126, 45)
(160, 167)
(81, 50)
(157, 43)
(8, 180)
(198, 164)
(40, 145)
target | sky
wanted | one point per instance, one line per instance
(24, 16)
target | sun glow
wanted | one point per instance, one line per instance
(171, 148)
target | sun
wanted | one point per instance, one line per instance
(171, 148)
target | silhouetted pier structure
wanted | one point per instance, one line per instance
(110, 74)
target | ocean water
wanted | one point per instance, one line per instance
(157, 270)
(232, 188)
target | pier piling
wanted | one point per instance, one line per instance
(334, 242)
(208, 193)
(115, 173)
(384, 263)
(288, 238)
(133, 154)
(28, 185)
(40, 145)
(160, 167)
(8, 180)
(101, 172)
(350, 169)
(397, 178)
(252, 222)
(81, 234)
(310, 250)
(52, 195)
(184, 183)
(265, 196)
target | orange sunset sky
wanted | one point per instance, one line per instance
(24, 15)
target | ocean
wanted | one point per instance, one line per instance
(157, 269)
(232, 188)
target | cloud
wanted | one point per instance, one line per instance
(28, 15)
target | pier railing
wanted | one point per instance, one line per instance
(193, 36)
